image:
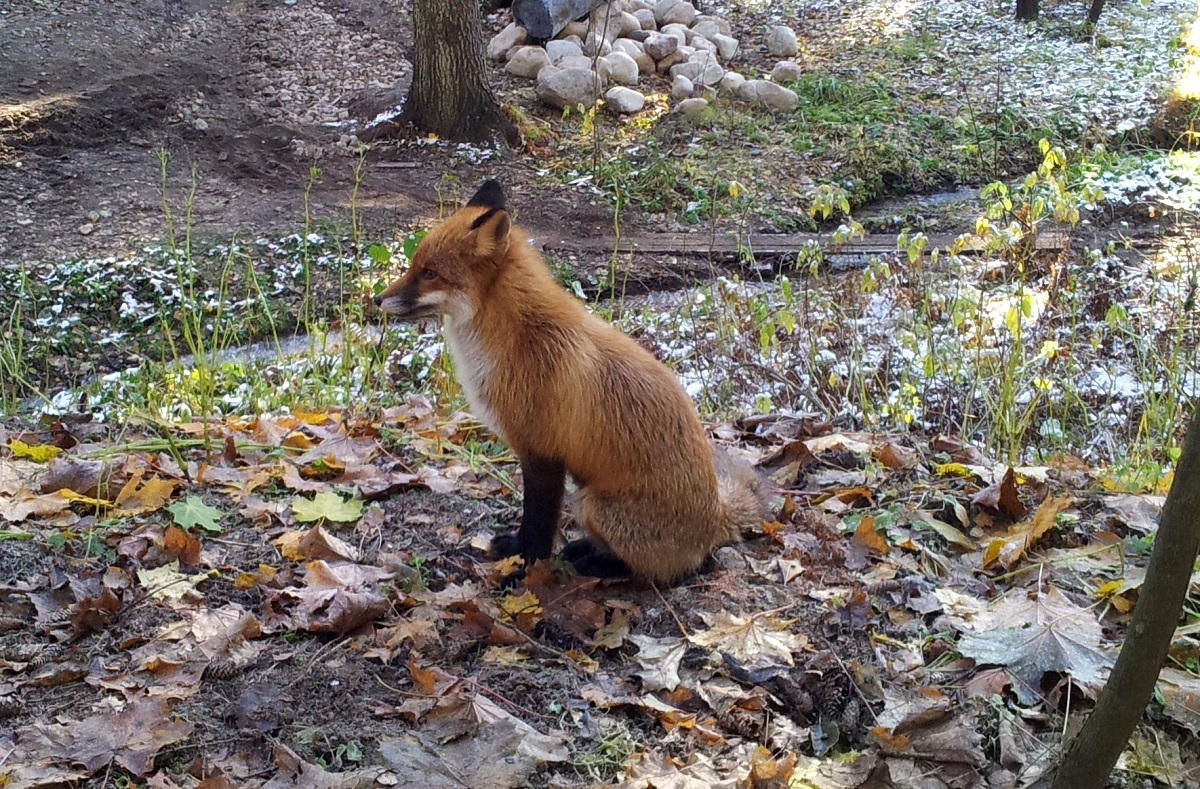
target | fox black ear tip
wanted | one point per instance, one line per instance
(490, 195)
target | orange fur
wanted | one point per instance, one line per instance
(555, 382)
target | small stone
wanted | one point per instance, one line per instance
(702, 68)
(512, 36)
(623, 100)
(646, 18)
(727, 46)
(666, 64)
(691, 106)
(527, 62)
(680, 32)
(559, 49)
(786, 71)
(767, 94)
(702, 44)
(782, 42)
(681, 88)
(86, 229)
(641, 35)
(659, 46)
(200, 124)
(93, 216)
(622, 69)
(732, 82)
(570, 87)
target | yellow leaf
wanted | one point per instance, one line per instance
(952, 470)
(526, 603)
(40, 453)
(148, 496)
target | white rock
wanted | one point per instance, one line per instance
(635, 50)
(681, 32)
(786, 71)
(702, 68)
(723, 27)
(570, 87)
(782, 42)
(691, 106)
(546, 73)
(700, 43)
(732, 82)
(727, 46)
(86, 229)
(627, 23)
(624, 100)
(527, 62)
(596, 45)
(646, 17)
(512, 36)
(662, 7)
(767, 94)
(622, 69)
(707, 28)
(682, 13)
(681, 88)
(641, 5)
(606, 21)
(559, 49)
(659, 46)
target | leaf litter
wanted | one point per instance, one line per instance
(326, 597)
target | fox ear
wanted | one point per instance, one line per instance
(491, 232)
(490, 196)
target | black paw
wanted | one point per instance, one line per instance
(505, 545)
(590, 560)
(512, 579)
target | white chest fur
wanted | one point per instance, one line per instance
(474, 368)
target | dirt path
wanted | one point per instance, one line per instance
(252, 94)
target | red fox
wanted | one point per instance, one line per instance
(572, 395)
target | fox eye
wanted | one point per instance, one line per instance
(428, 274)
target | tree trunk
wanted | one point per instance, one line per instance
(1094, 12)
(1027, 10)
(450, 94)
(1089, 757)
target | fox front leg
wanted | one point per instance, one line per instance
(544, 483)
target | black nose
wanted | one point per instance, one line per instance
(379, 301)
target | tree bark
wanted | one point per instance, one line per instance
(1090, 757)
(1027, 10)
(1094, 12)
(450, 94)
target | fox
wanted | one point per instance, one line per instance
(571, 395)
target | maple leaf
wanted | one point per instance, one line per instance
(750, 638)
(192, 512)
(1045, 634)
(327, 506)
(659, 659)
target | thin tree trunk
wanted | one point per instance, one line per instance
(1027, 10)
(1090, 757)
(1094, 12)
(450, 94)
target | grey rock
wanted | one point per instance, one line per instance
(702, 68)
(666, 64)
(691, 106)
(596, 45)
(658, 46)
(681, 32)
(706, 28)
(641, 35)
(786, 71)
(662, 7)
(570, 87)
(732, 82)
(622, 69)
(635, 50)
(512, 36)
(646, 18)
(682, 13)
(627, 23)
(727, 46)
(557, 50)
(723, 27)
(527, 62)
(623, 100)
(764, 93)
(577, 29)
(681, 88)
(782, 42)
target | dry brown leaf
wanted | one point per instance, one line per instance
(752, 638)
(1002, 496)
(1009, 549)
(866, 536)
(27, 505)
(183, 546)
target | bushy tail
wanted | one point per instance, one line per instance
(745, 500)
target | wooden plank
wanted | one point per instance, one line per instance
(769, 245)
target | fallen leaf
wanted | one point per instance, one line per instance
(327, 505)
(38, 453)
(192, 512)
(1002, 496)
(1009, 549)
(658, 659)
(866, 536)
(756, 637)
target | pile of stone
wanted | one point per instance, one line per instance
(624, 41)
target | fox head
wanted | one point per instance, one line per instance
(455, 262)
